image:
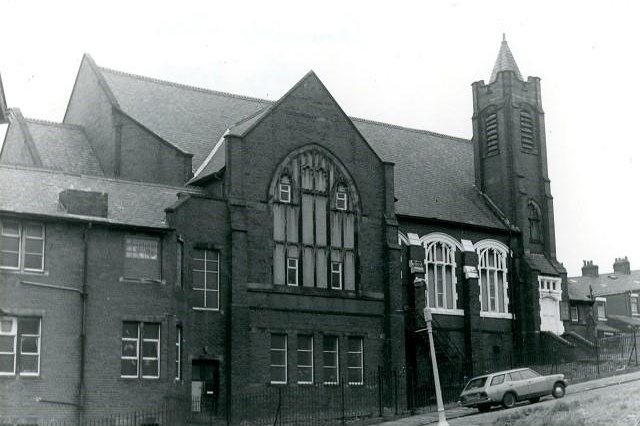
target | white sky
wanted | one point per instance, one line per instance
(408, 62)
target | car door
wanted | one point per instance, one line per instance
(519, 384)
(537, 383)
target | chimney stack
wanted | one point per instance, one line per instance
(589, 269)
(622, 266)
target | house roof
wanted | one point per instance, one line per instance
(603, 285)
(504, 62)
(36, 191)
(633, 321)
(434, 173)
(63, 147)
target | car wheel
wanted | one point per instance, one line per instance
(509, 400)
(558, 390)
(484, 408)
(534, 400)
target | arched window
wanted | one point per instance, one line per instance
(314, 231)
(441, 274)
(492, 265)
(535, 231)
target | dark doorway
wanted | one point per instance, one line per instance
(205, 386)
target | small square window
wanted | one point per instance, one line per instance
(341, 200)
(336, 275)
(285, 193)
(292, 271)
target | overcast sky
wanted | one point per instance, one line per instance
(403, 62)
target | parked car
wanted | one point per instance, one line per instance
(510, 386)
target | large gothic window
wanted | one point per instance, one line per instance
(441, 274)
(535, 231)
(314, 222)
(492, 265)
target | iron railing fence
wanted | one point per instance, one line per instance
(382, 393)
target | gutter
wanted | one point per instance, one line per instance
(83, 322)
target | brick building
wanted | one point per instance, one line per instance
(165, 241)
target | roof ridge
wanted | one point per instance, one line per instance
(411, 129)
(53, 123)
(102, 178)
(184, 86)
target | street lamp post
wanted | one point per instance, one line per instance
(442, 420)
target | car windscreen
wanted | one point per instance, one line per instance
(476, 383)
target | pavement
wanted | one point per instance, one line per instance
(454, 411)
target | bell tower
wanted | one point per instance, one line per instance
(511, 153)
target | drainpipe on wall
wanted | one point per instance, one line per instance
(83, 310)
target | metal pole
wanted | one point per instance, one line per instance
(442, 420)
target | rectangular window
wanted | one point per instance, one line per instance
(178, 352)
(355, 367)
(278, 363)
(21, 245)
(305, 359)
(179, 262)
(292, 271)
(206, 279)
(602, 314)
(330, 354)
(634, 304)
(19, 346)
(285, 193)
(336, 275)
(142, 258)
(574, 314)
(341, 200)
(140, 355)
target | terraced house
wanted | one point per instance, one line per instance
(166, 242)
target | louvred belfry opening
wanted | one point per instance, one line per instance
(314, 222)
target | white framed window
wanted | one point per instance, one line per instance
(305, 359)
(341, 199)
(441, 274)
(574, 314)
(179, 262)
(142, 257)
(355, 361)
(140, 356)
(178, 354)
(336, 275)
(19, 346)
(492, 267)
(601, 303)
(634, 304)
(330, 358)
(292, 271)
(205, 280)
(284, 192)
(278, 363)
(22, 245)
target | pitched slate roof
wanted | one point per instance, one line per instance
(605, 284)
(434, 173)
(189, 118)
(504, 62)
(63, 147)
(36, 191)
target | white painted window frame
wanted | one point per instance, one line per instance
(206, 289)
(338, 273)
(577, 311)
(143, 340)
(637, 303)
(429, 241)
(295, 268)
(131, 357)
(37, 354)
(286, 361)
(178, 375)
(299, 366)
(22, 237)
(602, 300)
(341, 200)
(361, 367)
(12, 333)
(480, 247)
(284, 192)
(336, 357)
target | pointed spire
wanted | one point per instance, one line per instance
(504, 61)
(4, 116)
